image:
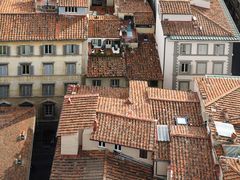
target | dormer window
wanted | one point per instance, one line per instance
(71, 9)
(117, 147)
(101, 144)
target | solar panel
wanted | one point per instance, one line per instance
(224, 129)
(163, 133)
(181, 121)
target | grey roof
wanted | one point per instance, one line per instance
(163, 133)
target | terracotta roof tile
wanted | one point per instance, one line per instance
(107, 66)
(144, 18)
(13, 122)
(130, 132)
(230, 168)
(17, 6)
(132, 6)
(97, 165)
(73, 3)
(105, 26)
(211, 89)
(143, 63)
(163, 151)
(175, 7)
(121, 93)
(41, 26)
(78, 112)
(187, 152)
(207, 19)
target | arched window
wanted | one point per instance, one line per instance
(26, 104)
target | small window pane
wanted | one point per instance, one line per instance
(25, 90)
(48, 68)
(219, 49)
(201, 68)
(202, 49)
(4, 91)
(114, 83)
(185, 49)
(3, 50)
(183, 85)
(3, 69)
(48, 89)
(48, 49)
(71, 68)
(217, 68)
(143, 154)
(49, 110)
(96, 82)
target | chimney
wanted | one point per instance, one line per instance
(95, 125)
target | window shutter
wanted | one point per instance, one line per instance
(8, 50)
(19, 50)
(54, 49)
(189, 68)
(64, 50)
(76, 49)
(31, 70)
(19, 70)
(41, 50)
(31, 50)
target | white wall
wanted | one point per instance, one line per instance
(161, 168)
(201, 3)
(177, 17)
(93, 145)
(70, 144)
(80, 11)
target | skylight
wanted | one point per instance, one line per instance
(224, 129)
(163, 134)
(181, 121)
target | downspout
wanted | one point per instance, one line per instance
(164, 56)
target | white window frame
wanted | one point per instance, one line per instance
(26, 50)
(71, 9)
(118, 147)
(216, 49)
(185, 68)
(101, 144)
(114, 83)
(48, 89)
(199, 49)
(3, 50)
(23, 92)
(74, 70)
(215, 63)
(2, 86)
(48, 49)
(50, 71)
(197, 71)
(3, 69)
(184, 50)
(96, 82)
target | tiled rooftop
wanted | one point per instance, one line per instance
(13, 122)
(175, 7)
(143, 62)
(208, 22)
(230, 168)
(104, 26)
(132, 6)
(73, 3)
(42, 26)
(97, 165)
(17, 6)
(78, 112)
(187, 152)
(106, 66)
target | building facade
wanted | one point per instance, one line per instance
(192, 42)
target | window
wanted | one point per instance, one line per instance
(202, 49)
(108, 42)
(25, 89)
(25, 50)
(143, 154)
(70, 49)
(25, 69)
(96, 82)
(201, 68)
(219, 49)
(71, 68)
(48, 89)
(49, 49)
(183, 85)
(3, 69)
(71, 9)
(117, 147)
(4, 50)
(66, 86)
(48, 69)
(114, 82)
(96, 42)
(48, 110)
(217, 68)
(101, 144)
(184, 68)
(4, 91)
(153, 83)
(185, 49)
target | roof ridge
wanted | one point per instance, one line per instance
(221, 96)
(125, 116)
(207, 17)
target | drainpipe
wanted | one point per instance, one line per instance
(164, 55)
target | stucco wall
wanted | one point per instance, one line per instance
(70, 144)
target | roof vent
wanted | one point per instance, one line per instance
(200, 28)
(19, 161)
(194, 18)
(21, 137)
